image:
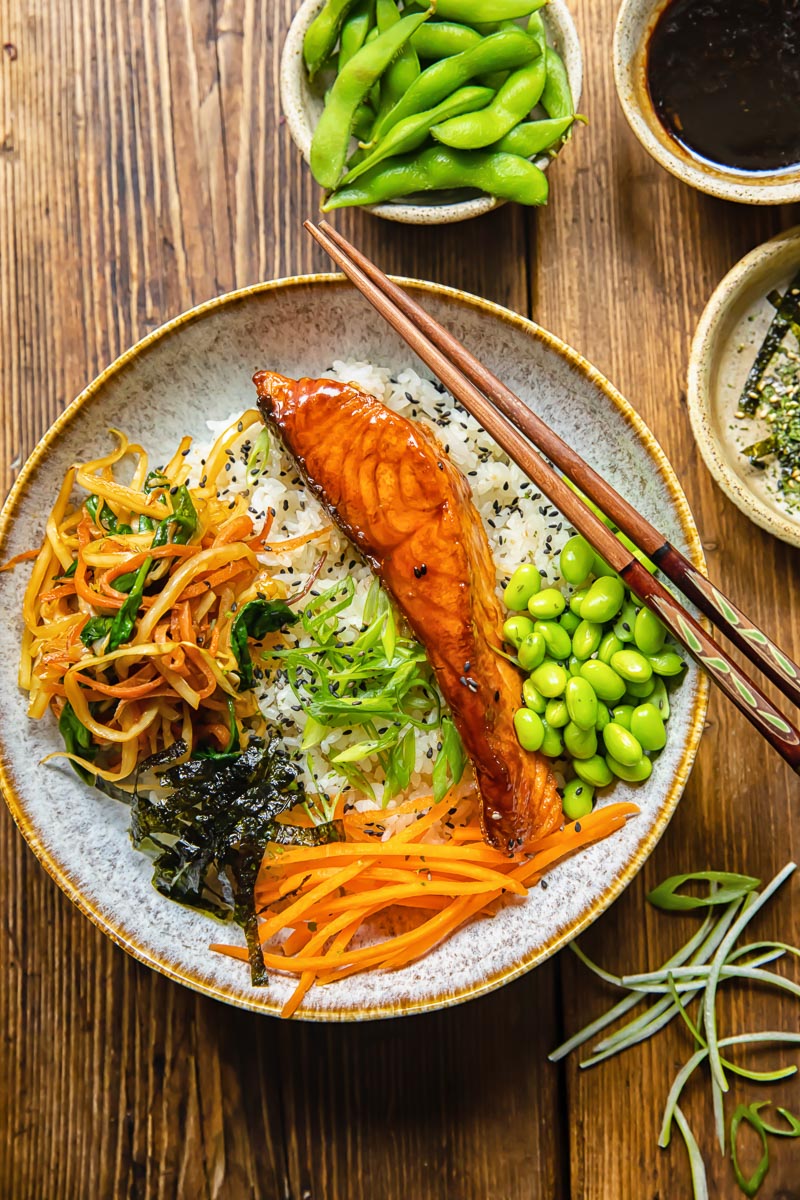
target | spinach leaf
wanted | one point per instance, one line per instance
(77, 740)
(123, 623)
(209, 828)
(154, 480)
(70, 571)
(255, 620)
(183, 520)
(105, 518)
(96, 628)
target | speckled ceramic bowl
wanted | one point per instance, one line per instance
(635, 23)
(302, 108)
(726, 343)
(200, 366)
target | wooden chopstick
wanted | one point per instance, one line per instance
(735, 625)
(728, 676)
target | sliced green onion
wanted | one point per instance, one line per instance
(749, 1114)
(731, 887)
(699, 1179)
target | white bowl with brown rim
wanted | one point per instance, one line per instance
(302, 107)
(635, 24)
(725, 345)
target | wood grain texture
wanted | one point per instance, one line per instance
(144, 167)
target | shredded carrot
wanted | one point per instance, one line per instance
(317, 898)
(25, 556)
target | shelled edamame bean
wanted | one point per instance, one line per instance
(597, 661)
(440, 97)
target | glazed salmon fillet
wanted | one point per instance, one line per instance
(388, 484)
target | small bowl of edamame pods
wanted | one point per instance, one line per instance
(429, 117)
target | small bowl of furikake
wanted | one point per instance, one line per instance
(431, 114)
(744, 385)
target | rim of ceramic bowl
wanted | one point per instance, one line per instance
(175, 970)
(295, 94)
(751, 272)
(635, 23)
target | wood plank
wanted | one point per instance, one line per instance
(627, 259)
(143, 167)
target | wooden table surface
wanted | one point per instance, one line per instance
(144, 167)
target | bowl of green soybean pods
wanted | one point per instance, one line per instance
(598, 668)
(431, 113)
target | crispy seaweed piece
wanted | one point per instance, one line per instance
(209, 823)
(787, 316)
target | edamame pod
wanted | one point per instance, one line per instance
(323, 32)
(516, 629)
(409, 135)
(577, 800)
(532, 650)
(515, 99)
(507, 49)
(607, 684)
(581, 743)
(604, 600)
(504, 176)
(648, 632)
(478, 12)
(556, 639)
(621, 744)
(581, 702)
(577, 556)
(404, 68)
(443, 39)
(594, 770)
(648, 728)
(530, 138)
(557, 96)
(354, 31)
(331, 139)
(526, 580)
(529, 729)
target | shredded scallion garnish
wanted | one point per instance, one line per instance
(380, 683)
(695, 973)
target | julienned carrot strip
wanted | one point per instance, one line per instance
(293, 913)
(25, 556)
(296, 542)
(358, 901)
(337, 947)
(239, 529)
(389, 849)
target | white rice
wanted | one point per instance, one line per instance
(522, 526)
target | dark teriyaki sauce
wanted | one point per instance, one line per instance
(724, 78)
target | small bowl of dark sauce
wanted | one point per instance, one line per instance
(712, 90)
